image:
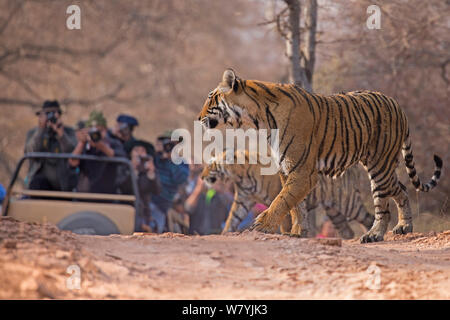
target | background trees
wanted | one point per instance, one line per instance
(158, 59)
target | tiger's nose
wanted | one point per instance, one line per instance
(213, 123)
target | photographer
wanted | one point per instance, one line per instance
(207, 207)
(49, 136)
(93, 140)
(141, 156)
(171, 175)
(123, 130)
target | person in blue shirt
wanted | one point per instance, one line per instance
(2, 195)
(171, 177)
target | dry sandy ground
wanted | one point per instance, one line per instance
(34, 261)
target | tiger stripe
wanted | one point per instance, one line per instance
(324, 135)
(340, 198)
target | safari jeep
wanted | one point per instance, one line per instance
(82, 213)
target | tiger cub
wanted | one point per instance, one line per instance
(340, 198)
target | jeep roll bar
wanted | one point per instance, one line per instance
(64, 156)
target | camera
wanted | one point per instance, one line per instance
(95, 134)
(168, 146)
(141, 166)
(51, 117)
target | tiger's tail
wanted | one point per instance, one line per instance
(409, 162)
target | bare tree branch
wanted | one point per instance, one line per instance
(444, 71)
(14, 11)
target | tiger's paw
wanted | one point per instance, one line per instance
(402, 228)
(296, 235)
(298, 231)
(371, 236)
(262, 223)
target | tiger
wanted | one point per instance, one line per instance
(340, 198)
(323, 134)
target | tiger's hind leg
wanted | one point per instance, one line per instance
(380, 225)
(383, 184)
(404, 224)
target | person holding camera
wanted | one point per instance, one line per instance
(52, 136)
(141, 156)
(123, 130)
(171, 177)
(99, 177)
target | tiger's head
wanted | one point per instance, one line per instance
(230, 166)
(213, 172)
(223, 107)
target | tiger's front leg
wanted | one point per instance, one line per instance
(295, 189)
(300, 221)
(239, 210)
(297, 223)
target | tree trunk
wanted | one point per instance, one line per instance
(310, 39)
(297, 73)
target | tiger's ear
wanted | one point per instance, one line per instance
(229, 81)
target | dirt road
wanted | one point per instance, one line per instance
(34, 260)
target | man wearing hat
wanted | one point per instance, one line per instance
(123, 130)
(49, 136)
(94, 140)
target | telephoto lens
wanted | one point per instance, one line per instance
(141, 166)
(169, 146)
(51, 116)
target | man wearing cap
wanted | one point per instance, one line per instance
(94, 140)
(123, 130)
(49, 136)
(171, 176)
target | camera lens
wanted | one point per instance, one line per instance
(51, 117)
(95, 134)
(168, 147)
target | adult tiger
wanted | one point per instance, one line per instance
(340, 198)
(323, 134)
